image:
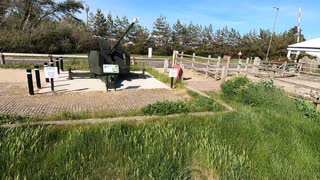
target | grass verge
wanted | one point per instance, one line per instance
(261, 139)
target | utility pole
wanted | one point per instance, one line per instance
(274, 24)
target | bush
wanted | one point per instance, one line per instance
(262, 93)
(308, 109)
(6, 118)
(232, 86)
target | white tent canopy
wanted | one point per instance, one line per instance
(311, 47)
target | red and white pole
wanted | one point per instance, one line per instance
(299, 23)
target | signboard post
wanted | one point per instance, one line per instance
(110, 69)
(173, 73)
(240, 54)
(52, 73)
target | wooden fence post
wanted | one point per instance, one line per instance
(181, 57)
(246, 66)
(173, 57)
(207, 72)
(193, 59)
(165, 65)
(310, 70)
(273, 71)
(217, 69)
(2, 59)
(256, 64)
(224, 73)
(227, 67)
(284, 68)
(239, 65)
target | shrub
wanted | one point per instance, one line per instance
(308, 109)
(6, 118)
(232, 86)
(262, 93)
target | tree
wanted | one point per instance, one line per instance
(139, 36)
(193, 34)
(33, 12)
(100, 26)
(91, 20)
(207, 36)
(110, 25)
(120, 26)
(161, 33)
(4, 8)
(291, 35)
(179, 32)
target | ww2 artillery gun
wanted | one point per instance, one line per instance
(106, 57)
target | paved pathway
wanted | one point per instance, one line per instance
(14, 100)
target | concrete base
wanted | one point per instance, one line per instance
(62, 84)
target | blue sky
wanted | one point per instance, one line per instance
(244, 15)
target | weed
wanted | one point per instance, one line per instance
(166, 108)
(232, 86)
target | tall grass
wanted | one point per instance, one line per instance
(260, 140)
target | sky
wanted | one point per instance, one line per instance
(242, 15)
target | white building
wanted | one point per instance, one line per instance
(311, 47)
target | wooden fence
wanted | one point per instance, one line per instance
(219, 68)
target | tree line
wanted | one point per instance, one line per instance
(47, 26)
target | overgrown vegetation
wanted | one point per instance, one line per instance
(166, 108)
(260, 140)
(197, 103)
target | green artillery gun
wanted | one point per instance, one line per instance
(107, 55)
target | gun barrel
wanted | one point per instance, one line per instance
(123, 35)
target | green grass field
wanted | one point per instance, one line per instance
(268, 136)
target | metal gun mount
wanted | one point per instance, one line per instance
(108, 55)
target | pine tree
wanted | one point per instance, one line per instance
(110, 25)
(100, 26)
(139, 37)
(120, 26)
(193, 35)
(179, 32)
(161, 34)
(207, 36)
(91, 20)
